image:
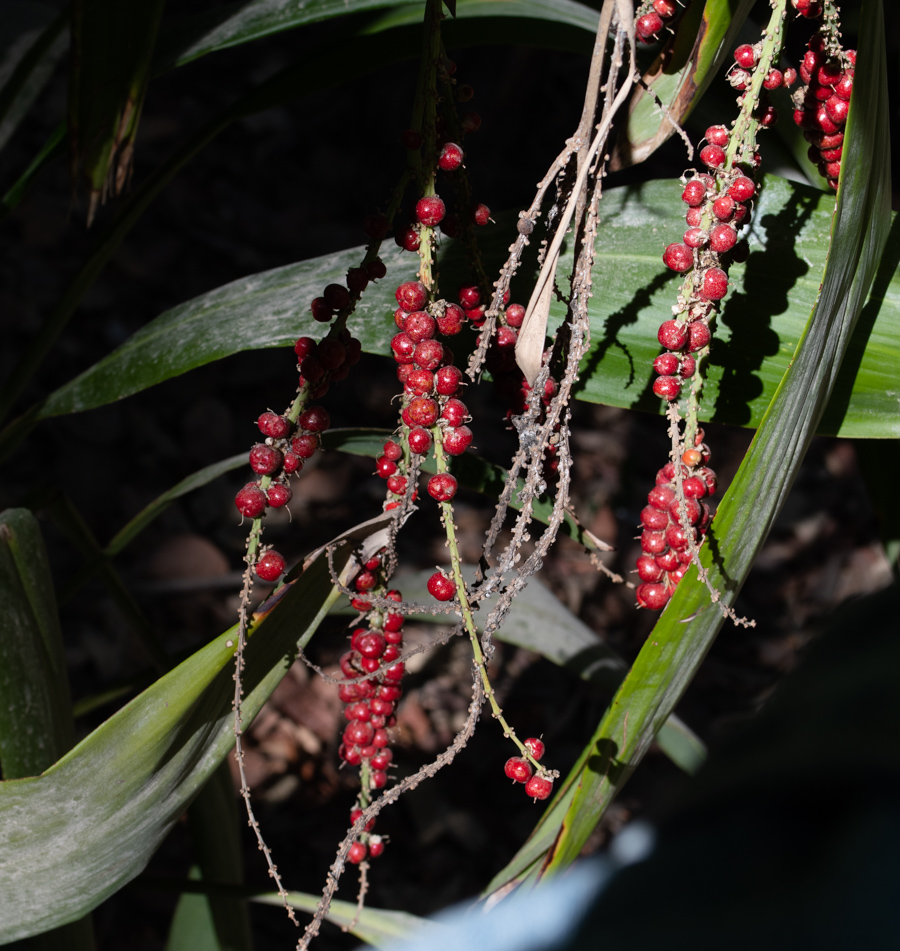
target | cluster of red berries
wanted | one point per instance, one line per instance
(289, 444)
(518, 769)
(370, 704)
(823, 103)
(665, 540)
(746, 58)
(652, 17)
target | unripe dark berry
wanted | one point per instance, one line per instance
(440, 587)
(411, 139)
(712, 156)
(375, 226)
(357, 279)
(457, 441)
(419, 441)
(412, 295)
(270, 566)
(315, 420)
(278, 494)
(321, 310)
(470, 122)
(451, 157)
(430, 211)
(481, 215)
(678, 257)
(518, 769)
(251, 500)
(312, 368)
(336, 296)
(539, 787)
(442, 487)
(265, 459)
(331, 354)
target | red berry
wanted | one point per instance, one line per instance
(666, 364)
(420, 326)
(440, 587)
(534, 746)
(451, 157)
(723, 208)
(518, 769)
(742, 189)
(660, 497)
(665, 8)
(292, 463)
(270, 424)
(789, 77)
(652, 596)
(774, 79)
(264, 459)
(456, 441)
(695, 237)
(447, 380)
(408, 239)
(515, 314)
(451, 321)
(278, 494)
(714, 285)
(430, 211)
(304, 347)
(717, 135)
(412, 295)
(271, 566)
(672, 335)
(423, 411)
(403, 347)
(648, 570)
(481, 215)
(654, 519)
(837, 109)
(745, 56)
(678, 257)
(667, 387)
(314, 420)
(321, 310)
(844, 87)
(429, 354)
(442, 487)
(376, 846)
(305, 446)
(312, 368)
(712, 156)
(722, 238)
(699, 336)
(420, 382)
(419, 441)
(455, 412)
(469, 296)
(694, 217)
(648, 25)
(539, 787)
(357, 853)
(251, 500)
(694, 192)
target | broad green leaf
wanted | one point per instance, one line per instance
(762, 322)
(31, 45)
(540, 622)
(112, 43)
(36, 725)
(703, 43)
(213, 922)
(74, 835)
(688, 626)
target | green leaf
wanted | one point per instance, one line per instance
(112, 43)
(31, 45)
(688, 626)
(680, 75)
(89, 824)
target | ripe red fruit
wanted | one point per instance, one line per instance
(539, 787)
(654, 519)
(712, 156)
(678, 257)
(722, 238)
(419, 441)
(648, 570)
(672, 335)
(271, 566)
(535, 746)
(652, 596)
(515, 314)
(447, 380)
(403, 347)
(742, 189)
(376, 846)
(420, 382)
(358, 851)
(358, 733)
(451, 157)
(455, 412)
(304, 347)
(694, 192)
(695, 237)
(723, 208)
(429, 354)
(456, 441)
(667, 387)
(423, 411)
(694, 217)
(745, 56)
(518, 769)
(451, 321)
(442, 487)
(270, 424)
(714, 285)
(666, 364)
(265, 459)
(420, 326)
(292, 463)
(699, 336)
(305, 446)
(665, 8)
(430, 211)
(717, 135)
(411, 295)
(251, 500)
(408, 239)
(837, 109)
(660, 497)
(469, 296)
(279, 494)
(315, 420)
(481, 215)
(440, 587)
(321, 310)
(648, 25)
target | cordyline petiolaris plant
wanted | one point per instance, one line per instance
(431, 293)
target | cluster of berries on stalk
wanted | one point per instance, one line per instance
(823, 103)
(519, 770)
(652, 16)
(666, 541)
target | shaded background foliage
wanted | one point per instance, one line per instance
(292, 183)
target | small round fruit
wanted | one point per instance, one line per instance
(430, 211)
(442, 487)
(251, 500)
(279, 494)
(678, 257)
(745, 56)
(481, 215)
(672, 335)
(419, 441)
(714, 285)
(654, 597)
(648, 25)
(539, 787)
(264, 459)
(412, 295)
(271, 566)
(712, 156)
(457, 440)
(271, 424)
(451, 157)
(518, 769)
(315, 420)
(535, 746)
(694, 193)
(440, 587)
(357, 853)
(722, 238)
